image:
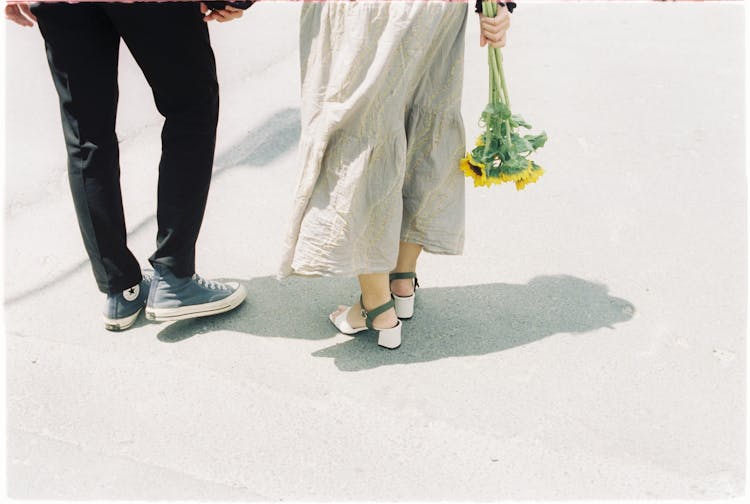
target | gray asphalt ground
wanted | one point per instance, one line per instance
(590, 342)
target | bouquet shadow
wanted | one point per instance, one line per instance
(448, 321)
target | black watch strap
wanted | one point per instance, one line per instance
(509, 5)
(220, 4)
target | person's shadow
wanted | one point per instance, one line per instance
(448, 321)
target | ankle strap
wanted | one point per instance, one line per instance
(404, 276)
(370, 315)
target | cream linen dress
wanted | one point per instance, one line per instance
(382, 135)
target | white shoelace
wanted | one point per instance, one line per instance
(209, 284)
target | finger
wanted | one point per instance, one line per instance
(492, 37)
(12, 13)
(501, 18)
(216, 15)
(482, 40)
(226, 15)
(222, 16)
(20, 20)
(490, 24)
(500, 43)
(204, 9)
(211, 16)
(495, 26)
(26, 9)
(494, 33)
(230, 13)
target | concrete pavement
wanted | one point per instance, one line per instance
(590, 343)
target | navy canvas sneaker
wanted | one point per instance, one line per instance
(173, 298)
(122, 308)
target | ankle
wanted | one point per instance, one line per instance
(372, 301)
(385, 320)
(402, 287)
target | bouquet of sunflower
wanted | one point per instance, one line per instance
(501, 153)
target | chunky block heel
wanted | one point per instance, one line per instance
(404, 304)
(390, 338)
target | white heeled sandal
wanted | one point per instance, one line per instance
(404, 304)
(387, 338)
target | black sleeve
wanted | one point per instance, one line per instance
(510, 5)
(218, 5)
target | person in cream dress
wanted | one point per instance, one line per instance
(382, 136)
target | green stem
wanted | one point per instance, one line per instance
(489, 9)
(492, 11)
(495, 74)
(493, 89)
(492, 80)
(499, 59)
(491, 99)
(498, 75)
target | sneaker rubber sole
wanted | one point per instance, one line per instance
(122, 323)
(194, 311)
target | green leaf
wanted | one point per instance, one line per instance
(537, 141)
(519, 121)
(497, 110)
(515, 164)
(521, 144)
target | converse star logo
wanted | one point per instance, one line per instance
(131, 294)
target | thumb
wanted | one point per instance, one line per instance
(204, 9)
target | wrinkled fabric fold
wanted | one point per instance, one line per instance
(382, 135)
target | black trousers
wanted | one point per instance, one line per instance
(170, 43)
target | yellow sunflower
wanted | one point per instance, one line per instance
(530, 175)
(474, 170)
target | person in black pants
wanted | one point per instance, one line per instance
(170, 42)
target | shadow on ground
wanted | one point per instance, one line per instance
(448, 321)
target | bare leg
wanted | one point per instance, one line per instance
(408, 253)
(375, 292)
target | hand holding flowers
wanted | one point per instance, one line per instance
(501, 153)
(493, 30)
